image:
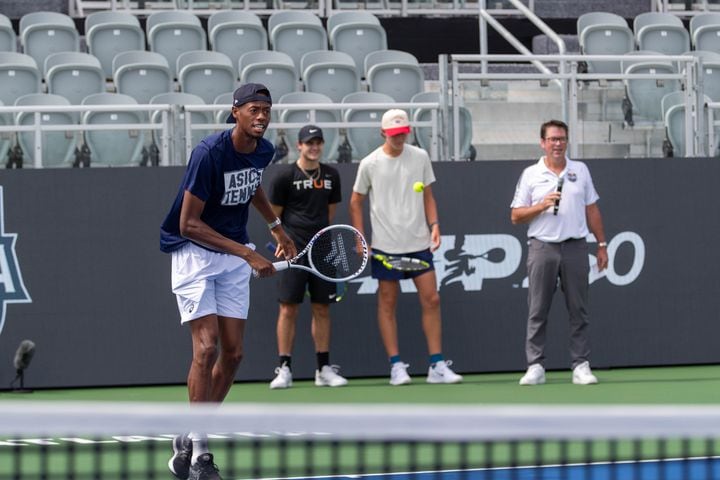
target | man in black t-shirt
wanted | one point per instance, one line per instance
(304, 195)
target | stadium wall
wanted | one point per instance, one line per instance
(81, 275)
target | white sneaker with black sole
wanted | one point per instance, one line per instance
(327, 376)
(440, 372)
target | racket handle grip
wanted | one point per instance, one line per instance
(284, 265)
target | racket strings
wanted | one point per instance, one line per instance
(334, 253)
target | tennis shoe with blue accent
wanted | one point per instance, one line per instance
(398, 374)
(440, 372)
(283, 378)
(179, 463)
(205, 468)
(328, 376)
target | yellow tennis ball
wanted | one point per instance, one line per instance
(418, 186)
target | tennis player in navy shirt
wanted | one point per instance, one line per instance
(213, 259)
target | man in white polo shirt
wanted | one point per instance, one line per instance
(556, 197)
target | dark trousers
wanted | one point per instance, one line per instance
(547, 262)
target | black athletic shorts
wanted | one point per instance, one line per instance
(294, 283)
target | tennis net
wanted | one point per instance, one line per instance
(130, 441)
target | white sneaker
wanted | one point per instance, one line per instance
(439, 372)
(283, 378)
(328, 377)
(399, 375)
(582, 375)
(535, 375)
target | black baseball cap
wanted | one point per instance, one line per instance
(308, 132)
(250, 92)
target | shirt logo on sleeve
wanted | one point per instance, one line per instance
(240, 186)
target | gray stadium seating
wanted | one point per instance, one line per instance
(113, 147)
(705, 32)
(5, 137)
(356, 33)
(43, 33)
(235, 32)
(108, 33)
(303, 116)
(661, 32)
(19, 75)
(275, 70)
(603, 33)
(395, 73)
(296, 32)
(74, 75)
(177, 142)
(364, 140)
(423, 135)
(206, 74)
(8, 39)
(709, 73)
(173, 32)
(331, 73)
(58, 147)
(645, 95)
(141, 74)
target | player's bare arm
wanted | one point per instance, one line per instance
(431, 215)
(594, 221)
(519, 215)
(286, 247)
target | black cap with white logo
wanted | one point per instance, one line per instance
(308, 132)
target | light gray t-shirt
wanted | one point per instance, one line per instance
(397, 212)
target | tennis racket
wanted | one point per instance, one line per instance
(341, 287)
(402, 264)
(336, 253)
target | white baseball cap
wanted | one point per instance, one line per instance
(395, 122)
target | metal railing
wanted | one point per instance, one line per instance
(687, 75)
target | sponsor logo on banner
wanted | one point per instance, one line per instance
(12, 288)
(472, 260)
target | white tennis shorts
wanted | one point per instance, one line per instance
(207, 283)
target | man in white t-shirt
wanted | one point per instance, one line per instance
(557, 198)
(404, 223)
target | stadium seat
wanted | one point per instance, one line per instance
(395, 73)
(8, 39)
(644, 96)
(235, 32)
(710, 72)
(602, 33)
(5, 137)
(19, 75)
(705, 32)
(142, 74)
(673, 107)
(331, 73)
(364, 140)
(296, 32)
(206, 74)
(43, 33)
(113, 147)
(304, 117)
(58, 146)
(423, 135)
(74, 75)
(275, 70)
(178, 133)
(173, 32)
(356, 33)
(661, 32)
(108, 33)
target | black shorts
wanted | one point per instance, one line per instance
(293, 283)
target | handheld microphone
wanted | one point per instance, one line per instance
(23, 355)
(561, 180)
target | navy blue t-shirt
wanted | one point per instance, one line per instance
(226, 181)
